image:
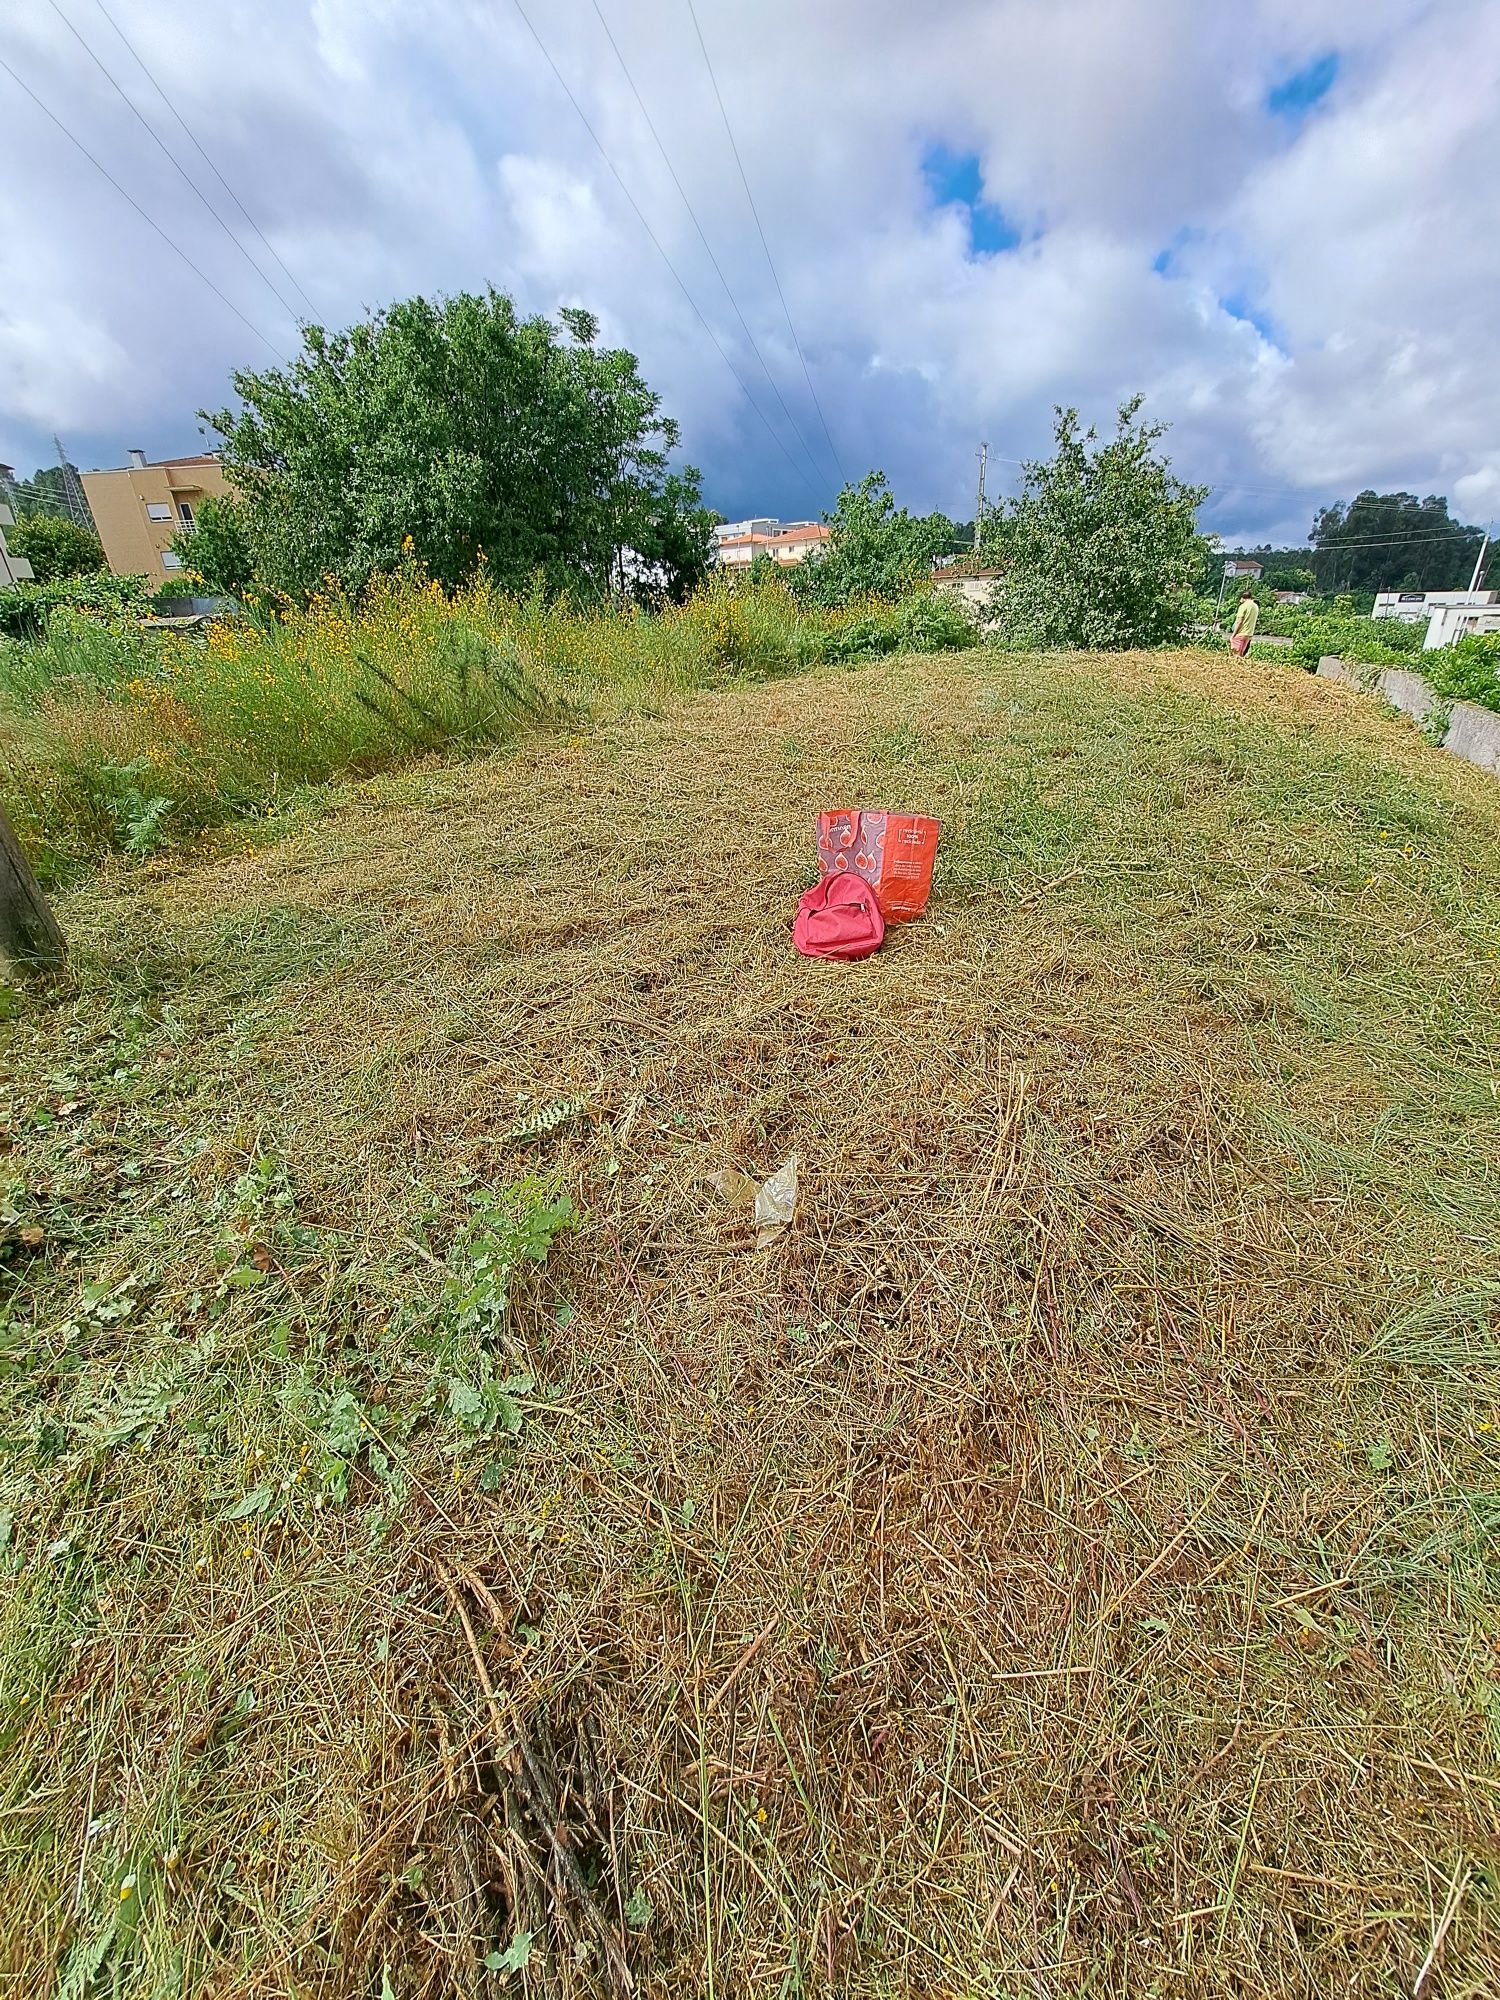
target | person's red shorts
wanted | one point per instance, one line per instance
(1240, 644)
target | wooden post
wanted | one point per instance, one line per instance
(29, 932)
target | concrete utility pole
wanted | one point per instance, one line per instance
(984, 452)
(29, 932)
(1484, 548)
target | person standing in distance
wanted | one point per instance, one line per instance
(1243, 629)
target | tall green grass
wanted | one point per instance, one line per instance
(113, 739)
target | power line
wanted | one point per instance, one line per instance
(1219, 490)
(208, 162)
(640, 217)
(168, 155)
(171, 244)
(702, 238)
(744, 181)
(1374, 542)
(1390, 541)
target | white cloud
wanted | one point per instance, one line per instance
(386, 150)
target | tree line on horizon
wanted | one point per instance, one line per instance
(1379, 541)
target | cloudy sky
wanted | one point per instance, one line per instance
(1274, 217)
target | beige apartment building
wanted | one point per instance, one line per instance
(139, 507)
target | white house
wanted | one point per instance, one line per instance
(1410, 607)
(1456, 621)
(738, 543)
(13, 569)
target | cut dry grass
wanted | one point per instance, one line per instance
(1063, 1564)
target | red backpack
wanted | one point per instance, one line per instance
(839, 919)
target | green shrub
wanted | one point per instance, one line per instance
(1376, 642)
(56, 547)
(1284, 621)
(1468, 670)
(930, 621)
(1102, 546)
(741, 631)
(874, 548)
(26, 607)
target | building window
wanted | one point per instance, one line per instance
(158, 510)
(170, 559)
(184, 513)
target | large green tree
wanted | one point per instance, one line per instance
(670, 536)
(874, 549)
(55, 547)
(1102, 547)
(461, 428)
(1393, 541)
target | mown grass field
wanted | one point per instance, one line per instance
(1063, 1564)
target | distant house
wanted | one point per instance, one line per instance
(1291, 597)
(962, 577)
(1245, 566)
(139, 507)
(1457, 621)
(738, 543)
(1412, 607)
(13, 569)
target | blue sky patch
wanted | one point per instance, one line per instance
(954, 180)
(1239, 307)
(1164, 263)
(1294, 98)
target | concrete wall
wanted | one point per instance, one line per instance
(974, 590)
(1473, 732)
(1474, 735)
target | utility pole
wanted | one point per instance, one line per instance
(984, 452)
(1484, 549)
(28, 930)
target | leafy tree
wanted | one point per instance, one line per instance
(452, 426)
(217, 547)
(1381, 539)
(55, 547)
(671, 536)
(875, 548)
(1102, 547)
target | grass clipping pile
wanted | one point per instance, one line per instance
(445, 1556)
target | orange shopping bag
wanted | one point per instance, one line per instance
(893, 852)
